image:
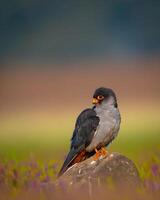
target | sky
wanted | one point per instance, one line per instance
(60, 31)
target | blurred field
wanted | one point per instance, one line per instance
(46, 136)
(38, 113)
(39, 107)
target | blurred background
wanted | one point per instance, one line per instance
(54, 54)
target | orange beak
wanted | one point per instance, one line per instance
(95, 101)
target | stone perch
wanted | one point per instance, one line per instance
(114, 168)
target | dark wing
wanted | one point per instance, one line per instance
(85, 128)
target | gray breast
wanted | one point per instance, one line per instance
(107, 129)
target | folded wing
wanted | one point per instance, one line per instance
(85, 128)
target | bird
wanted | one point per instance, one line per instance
(95, 129)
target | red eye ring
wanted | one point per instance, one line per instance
(100, 97)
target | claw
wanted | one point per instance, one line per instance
(102, 152)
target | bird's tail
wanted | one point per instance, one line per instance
(72, 158)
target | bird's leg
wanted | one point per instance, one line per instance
(97, 154)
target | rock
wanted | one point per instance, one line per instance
(115, 168)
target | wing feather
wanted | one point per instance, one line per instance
(85, 127)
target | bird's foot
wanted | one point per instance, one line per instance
(104, 151)
(100, 153)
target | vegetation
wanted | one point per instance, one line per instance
(31, 154)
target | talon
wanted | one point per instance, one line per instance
(102, 152)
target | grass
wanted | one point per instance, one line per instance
(47, 136)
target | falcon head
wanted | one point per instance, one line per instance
(104, 95)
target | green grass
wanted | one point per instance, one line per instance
(48, 137)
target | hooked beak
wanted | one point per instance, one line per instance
(95, 101)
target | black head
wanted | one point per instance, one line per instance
(102, 94)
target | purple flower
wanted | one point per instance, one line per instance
(156, 186)
(46, 179)
(33, 164)
(155, 169)
(38, 174)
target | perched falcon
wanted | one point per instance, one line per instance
(95, 128)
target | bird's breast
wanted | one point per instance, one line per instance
(107, 129)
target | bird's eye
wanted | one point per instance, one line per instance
(100, 97)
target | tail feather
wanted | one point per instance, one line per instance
(67, 161)
(72, 158)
